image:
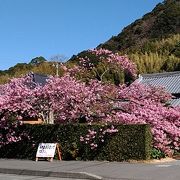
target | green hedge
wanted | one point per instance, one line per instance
(130, 142)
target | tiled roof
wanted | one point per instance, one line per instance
(169, 80)
(175, 102)
(40, 79)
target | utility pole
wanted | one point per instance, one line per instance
(57, 68)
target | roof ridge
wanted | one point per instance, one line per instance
(38, 74)
(164, 74)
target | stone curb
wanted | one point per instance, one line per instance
(75, 175)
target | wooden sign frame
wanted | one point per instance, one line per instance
(50, 158)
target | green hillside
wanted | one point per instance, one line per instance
(152, 42)
(163, 21)
(37, 65)
(158, 56)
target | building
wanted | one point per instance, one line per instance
(39, 78)
(169, 80)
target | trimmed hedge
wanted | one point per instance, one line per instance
(130, 142)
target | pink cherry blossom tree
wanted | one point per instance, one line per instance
(68, 100)
(104, 65)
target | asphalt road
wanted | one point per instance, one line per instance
(96, 170)
(21, 177)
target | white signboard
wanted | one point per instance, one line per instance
(46, 150)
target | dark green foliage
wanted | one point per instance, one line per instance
(157, 154)
(161, 22)
(167, 20)
(37, 60)
(19, 67)
(130, 142)
(176, 50)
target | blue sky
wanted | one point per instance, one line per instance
(31, 28)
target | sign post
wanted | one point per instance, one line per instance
(47, 150)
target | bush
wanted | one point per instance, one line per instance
(130, 142)
(157, 154)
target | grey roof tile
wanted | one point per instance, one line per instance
(169, 80)
(40, 79)
(175, 102)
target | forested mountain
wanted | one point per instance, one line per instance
(163, 21)
(152, 42)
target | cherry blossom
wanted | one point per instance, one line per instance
(68, 100)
